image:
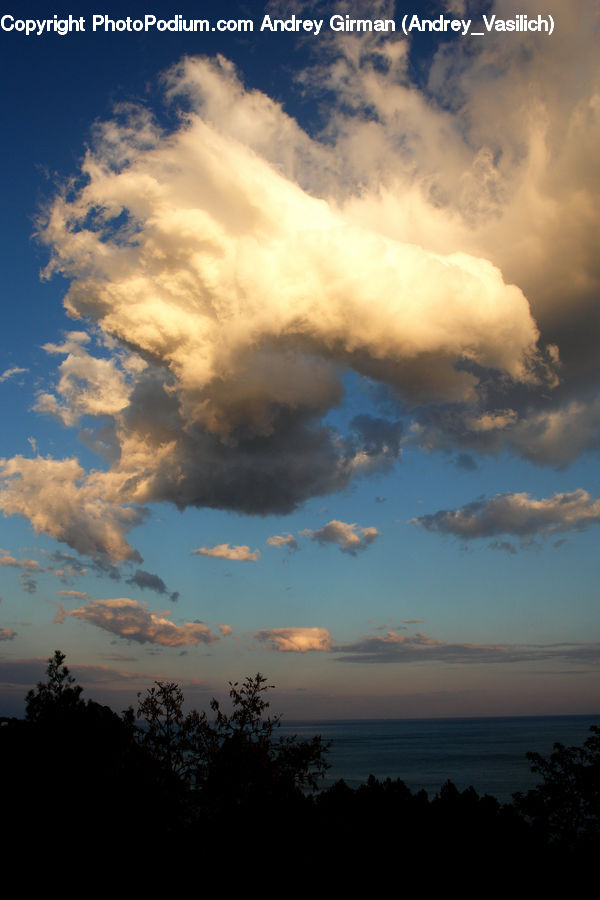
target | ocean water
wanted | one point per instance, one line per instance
(488, 754)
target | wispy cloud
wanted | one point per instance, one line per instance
(402, 648)
(10, 373)
(76, 595)
(28, 584)
(29, 671)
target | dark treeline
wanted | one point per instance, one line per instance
(227, 780)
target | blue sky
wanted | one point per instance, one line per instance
(299, 368)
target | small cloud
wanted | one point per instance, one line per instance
(283, 540)
(59, 618)
(28, 584)
(294, 640)
(503, 545)
(119, 657)
(516, 514)
(7, 634)
(135, 622)
(225, 629)
(349, 538)
(10, 373)
(380, 499)
(466, 461)
(29, 565)
(493, 420)
(225, 551)
(65, 566)
(152, 582)
(77, 595)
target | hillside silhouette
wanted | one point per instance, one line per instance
(159, 774)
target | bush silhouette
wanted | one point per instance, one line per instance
(231, 760)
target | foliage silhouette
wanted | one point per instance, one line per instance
(565, 807)
(166, 774)
(235, 758)
(82, 761)
(59, 695)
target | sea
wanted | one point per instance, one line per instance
(486, 753)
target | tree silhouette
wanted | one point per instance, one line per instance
(188, 777)
(565, 807)
(83, 762)
(58, 696)
(235, 758)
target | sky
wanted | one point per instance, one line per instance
(299, 365)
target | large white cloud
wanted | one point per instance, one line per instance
(245, 265)
(223, 256)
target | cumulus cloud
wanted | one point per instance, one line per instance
(283, 540)
(507, 148)
(517, 514)
(87, 384)
(63, 501)
(349, 538)
(439, 240)
(134, 621)
(294, 640)
(7, 634)
(147, 580)
(225, 551)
